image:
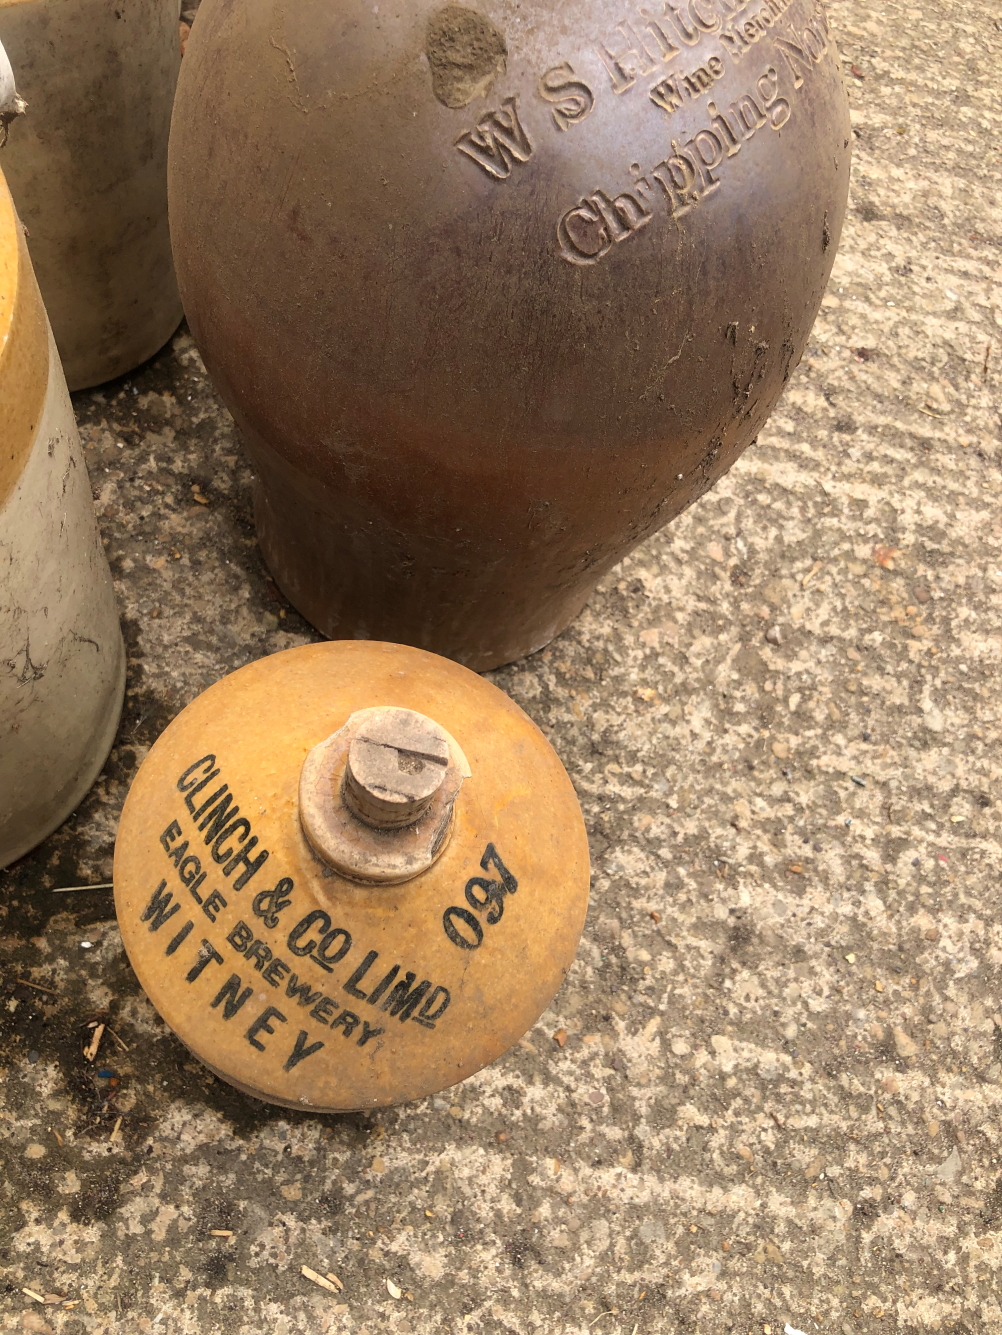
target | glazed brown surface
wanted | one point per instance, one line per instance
(479, 349)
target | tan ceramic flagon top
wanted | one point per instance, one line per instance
(24, 350)
(307, 988)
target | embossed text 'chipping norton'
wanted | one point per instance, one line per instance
(690, 174)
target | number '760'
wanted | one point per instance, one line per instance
(484, 895)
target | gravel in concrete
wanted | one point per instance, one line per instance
(778, 1099)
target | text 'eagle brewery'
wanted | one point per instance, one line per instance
(351, 874)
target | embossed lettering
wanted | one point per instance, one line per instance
(582, 235)
(673, 90)
(622, 215)
(796, 57)
(711, 24)
(638, 45)
(702, 77)
(731, 132)
(739, 37)
(749, 114)
(572, 100)
(498, 142)
(677, 176)
(687, 30)
(777, 108)
(668, 48)
(688, 176)
(667, 95)
(707, 152)
(802, 55)
(591, 228)
(627, 62)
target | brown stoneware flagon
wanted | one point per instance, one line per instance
(495, 291)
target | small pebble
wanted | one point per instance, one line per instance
(774, 635)
(860, 783)
(32, 1057)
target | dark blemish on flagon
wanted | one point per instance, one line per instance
(466, 53)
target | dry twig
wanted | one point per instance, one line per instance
(26, 982)
(90, 1051)
(312, 1275)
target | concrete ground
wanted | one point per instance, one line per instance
(779, 1096)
